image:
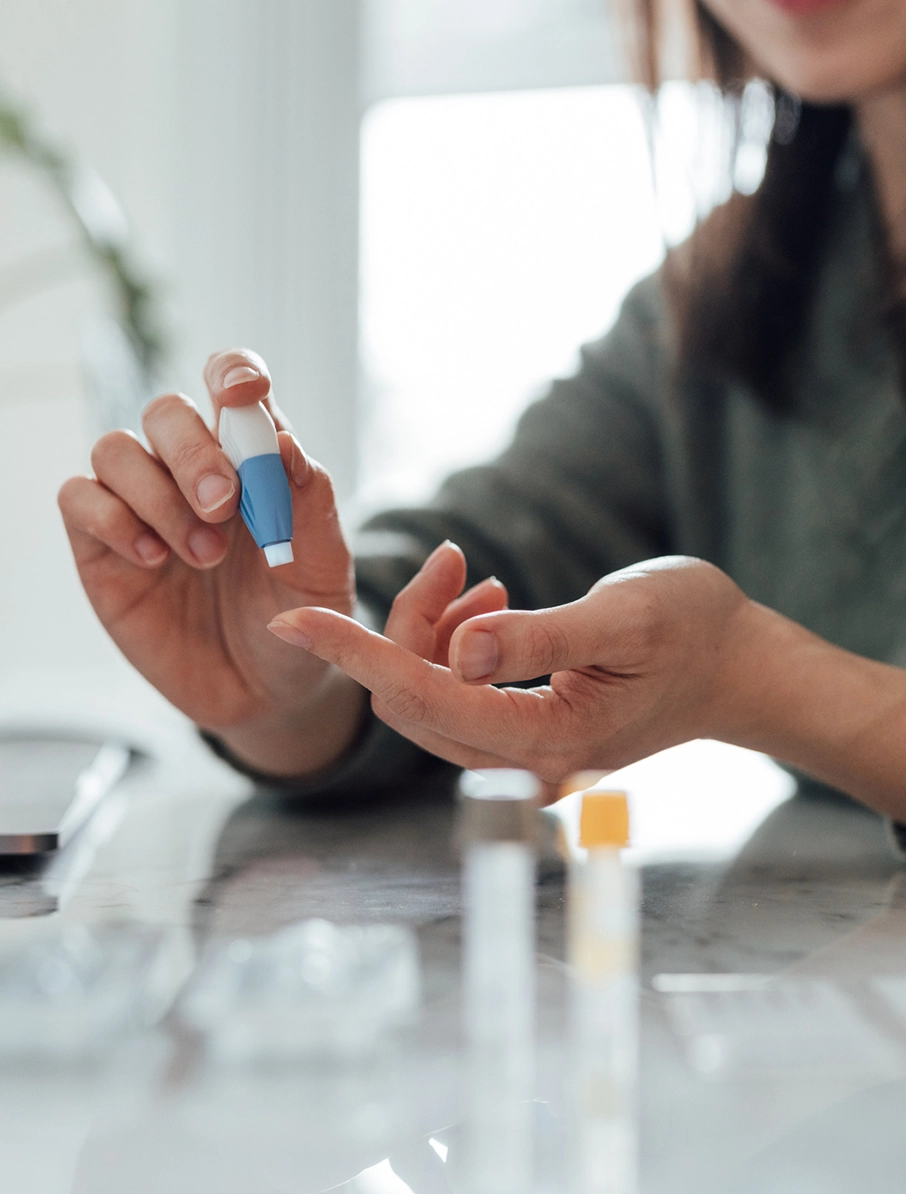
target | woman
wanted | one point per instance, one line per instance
(747, 410)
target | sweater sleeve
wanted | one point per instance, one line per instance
(579, 492)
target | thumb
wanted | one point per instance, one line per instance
(240, 377)
(517, 645)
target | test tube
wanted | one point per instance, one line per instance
(603, 956)
(498, 830)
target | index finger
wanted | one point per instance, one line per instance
(240, 377)
(422, 693)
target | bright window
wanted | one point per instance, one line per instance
(499, 232)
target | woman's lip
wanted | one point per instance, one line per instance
(804, 8)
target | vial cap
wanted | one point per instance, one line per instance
(604, 820)
(499, 805)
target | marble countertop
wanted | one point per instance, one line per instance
(773, 996)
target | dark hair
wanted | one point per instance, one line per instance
(742, 287)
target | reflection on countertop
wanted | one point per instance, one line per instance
(809, 913)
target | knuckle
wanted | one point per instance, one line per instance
(406, 704)
(539, 760)
(547, 644)
(531, 758)
(107, 524)
(110, 448)
(649, 628)
(579, 694)
(649, 607)
(321, 484)
(191, 458)
(165, 407)
(553, 767)
(559, 770)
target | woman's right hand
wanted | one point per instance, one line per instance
(180, 585)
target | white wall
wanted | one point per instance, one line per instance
(99, 76)
(267, 230)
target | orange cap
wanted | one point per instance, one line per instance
(604, 820)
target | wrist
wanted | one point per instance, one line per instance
(752, 689)
(835, 715)
(291, 743)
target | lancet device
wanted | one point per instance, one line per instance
(249, 438)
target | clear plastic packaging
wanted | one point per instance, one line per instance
(311, 989)
(75, 991)
(740, 1025)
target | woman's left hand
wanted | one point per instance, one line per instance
(652, 656)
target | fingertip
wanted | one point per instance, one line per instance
(451, 548)
(207, 546)
(151, 550)
(492, 592)
(307, 619)
(246, 393)
(237, 377)
(445, 561)
(289, 633)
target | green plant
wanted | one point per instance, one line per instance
(98, 216)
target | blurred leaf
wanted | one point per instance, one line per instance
(102, 223)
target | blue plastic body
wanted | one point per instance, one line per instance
(266, 503)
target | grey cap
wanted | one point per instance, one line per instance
(498, 805)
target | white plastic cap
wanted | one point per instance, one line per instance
(499, 783)
(279, 553)
(247, 431)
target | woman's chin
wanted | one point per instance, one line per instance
(826, 79)
(826, 51)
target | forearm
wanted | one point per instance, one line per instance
(835, 715)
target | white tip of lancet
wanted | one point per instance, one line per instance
(278, 553)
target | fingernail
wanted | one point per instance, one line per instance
(237, 375)
(213, 490)
(487, 582)
(476, 654)
(206, 545)
(290, 634)
(150, 548)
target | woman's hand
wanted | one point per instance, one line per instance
(650, 657)
(177, 580)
